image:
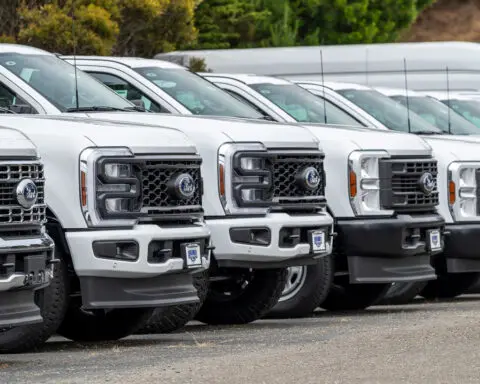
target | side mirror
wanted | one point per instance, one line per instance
(23, 109)
(138, 103)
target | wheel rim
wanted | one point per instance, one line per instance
(296, 277)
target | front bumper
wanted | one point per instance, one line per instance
(26, 266)
(461, 254)
(388, 250)
(280, 240)
(144, 282)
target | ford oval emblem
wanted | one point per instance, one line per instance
(427, 183)
(27, 193)
(185, 186)
(308, 178)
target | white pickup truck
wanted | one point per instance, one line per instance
(26, 251)
(126, 215)
(264, 183)
(389, 229)
(171, 87)
(459, 266)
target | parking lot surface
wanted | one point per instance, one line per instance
(418, 343)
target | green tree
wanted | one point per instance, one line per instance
(229, 23)
(51, 27)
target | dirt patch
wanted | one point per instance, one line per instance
(447, 20)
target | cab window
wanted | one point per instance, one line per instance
(128, 91)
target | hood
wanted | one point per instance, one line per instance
(14, 143)
(396, 143)
(139, 138)
(208, 129)
(458, 147)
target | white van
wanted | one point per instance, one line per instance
(370, 64)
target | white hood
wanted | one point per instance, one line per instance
(210, 130)
(139, 138)
(14, 143)
(396, 143)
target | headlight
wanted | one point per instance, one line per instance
(245, 178)
(364, 182)
(109, 188)
(462, 190)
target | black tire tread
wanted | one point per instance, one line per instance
(450, 285)
(171, 319)
(311, 296)
(404, 293)
(354, 297)
(258, 299)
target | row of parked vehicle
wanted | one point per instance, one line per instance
(137, 195)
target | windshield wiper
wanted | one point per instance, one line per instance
(103, 108)
(428, 133)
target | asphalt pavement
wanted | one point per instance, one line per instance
(419, 343)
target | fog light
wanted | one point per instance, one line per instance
(119, 250)
(252, 236)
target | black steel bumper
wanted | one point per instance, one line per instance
(159, 291)
(461, 253)
(388, 250)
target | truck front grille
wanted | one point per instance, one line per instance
(286, 189)
(158, 176)
(404, 184)
(11, 212)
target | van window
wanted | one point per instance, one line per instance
(302, 105)
(469, 109)
(197, 94)
(390, 113)
(437, 112)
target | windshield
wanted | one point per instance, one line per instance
(302, 105)
(390, 113)
(196, 94)
(469, 109)
(437, 113)
(54, 79)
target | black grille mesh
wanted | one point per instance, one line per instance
(400, 184)
(286, 167)
(155, 175)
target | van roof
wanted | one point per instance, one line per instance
(353, 58)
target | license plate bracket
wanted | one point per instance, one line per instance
(434, 239)
(191, 254)
(35, 269)
(317, 241)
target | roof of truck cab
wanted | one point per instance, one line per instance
(132, 62)
(398, 92)
(337, 85)
(452, 95)
(248, 78)
(22, 49)
(354, 58)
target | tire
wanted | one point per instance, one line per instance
(101, 325)
(171, 319)
(450, 285)
(304, 292)
(52, 302)
(354, 297)
(245, 296)
(402, 293)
